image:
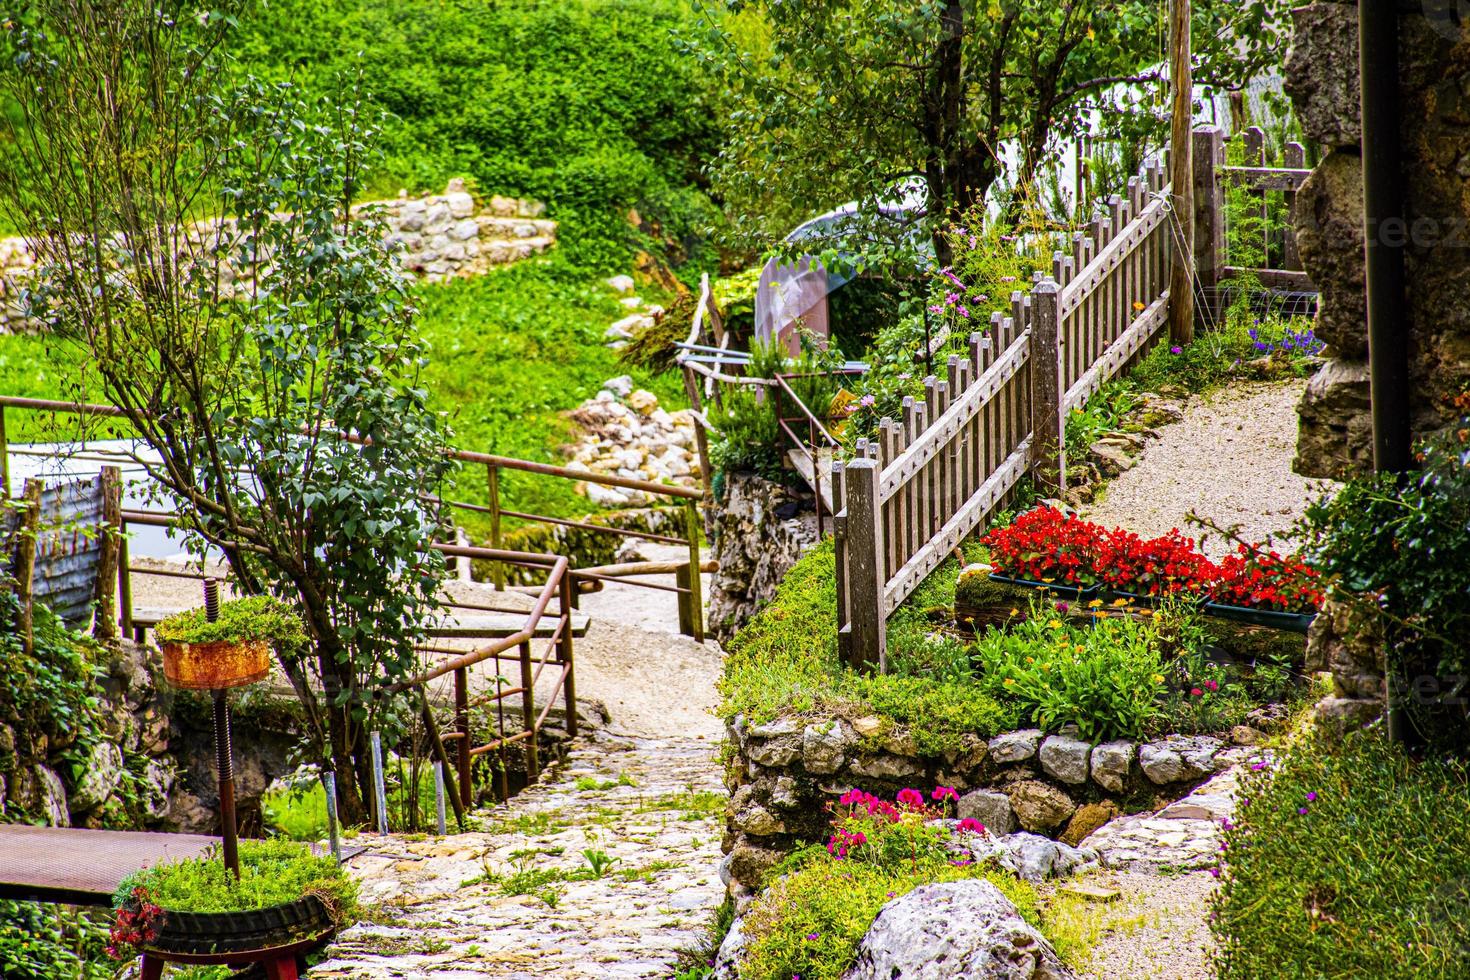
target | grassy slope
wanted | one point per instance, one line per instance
(510, 352)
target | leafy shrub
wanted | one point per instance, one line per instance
(44, 942)
(1347, 861)
(1105, 679)
(748, 439)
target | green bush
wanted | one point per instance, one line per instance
(251, 618)
(1347, 861)
(272, 872)
(52, 942)
(1104, 678)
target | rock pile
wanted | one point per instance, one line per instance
(1117, 451)
(625, 433)
(641, 315)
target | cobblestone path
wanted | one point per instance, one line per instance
(520, 897)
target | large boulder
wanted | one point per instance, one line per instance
(1329, 237)
(102, 773)
(1335, 439)
(1322, 73)
(1040, 807)
(961, 930)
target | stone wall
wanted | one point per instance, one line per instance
(443, 236)
(1348, 642)
(1322, 80)
(758, 534)
(786, 772)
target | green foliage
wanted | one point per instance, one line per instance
(53, 694)
(272, 872)
(251, 618)
(1347, 861)
(785, 661)
(586, 105)
(1395, 544)
(52, 942)
(748, 439)
(838, 101)
(1103, 678)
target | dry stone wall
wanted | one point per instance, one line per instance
(787, 771)
(1322, 80)
(441, 236)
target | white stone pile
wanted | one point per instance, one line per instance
(640, 316)
(625, 433)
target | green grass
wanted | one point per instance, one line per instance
(1372, 880)
(510, 352)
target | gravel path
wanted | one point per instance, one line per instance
(1157, 930)
(1228, 460)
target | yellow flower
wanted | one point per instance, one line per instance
(1094, 604)
(1031, 660)
(1081, 649)
(1015, 612)
(1137, 305)
(1055, 624)
(1010, 681)
(1158, 678)
(1046, 667)
(1120, 602)
(1145, 612)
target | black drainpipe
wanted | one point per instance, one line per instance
(1385, 234)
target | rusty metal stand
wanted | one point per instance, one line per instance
(224, 756)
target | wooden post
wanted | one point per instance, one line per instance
(1293, 157)
(1209, 218)
(696, 599)
(124, 586)
(686, 618)
(1254, 139)
(701, 438)
(104, 624)
(1181, 175)
(865, 580)
(492, 485)
(839, 551)
(436, 744)
(1047, 464)
(25, 563)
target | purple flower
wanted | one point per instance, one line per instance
(1214, 872)
(964, 312)
(1312, 797)
(936, 308)
(867, 401)
(1254, 333)
(812, 935)
(952, 277)
(1176, 349)
(1302, 810)
(1258, 345)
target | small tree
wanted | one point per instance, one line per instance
(268, 359)
(839, 100)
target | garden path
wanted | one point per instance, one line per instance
(518, 899)
(1229, 459)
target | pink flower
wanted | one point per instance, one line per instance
(1196, 692)
(1212, 685)
(970, 825)
(911, 798)
(944, 793)
(867, 401)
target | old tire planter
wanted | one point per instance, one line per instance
(205, 933)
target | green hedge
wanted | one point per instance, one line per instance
(1348, 861)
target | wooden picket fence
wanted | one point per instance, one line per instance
(935, 475)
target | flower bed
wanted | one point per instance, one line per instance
(1063, 551)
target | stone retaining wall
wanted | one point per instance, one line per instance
(443, 236)
(785, 773)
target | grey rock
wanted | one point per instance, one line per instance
(961, 930)
(1112, 764)
(1017, 746)
(756, 820)
(731, 951)
(1065, 758)
(785, 793)
(1110, 458)
(1179, 758)
(823, 746)
(991, 808)
(622, 385)
(885, 766)
(102, 773)
(621, 284)
(775, 752)
(1321, 73)
(44, 797)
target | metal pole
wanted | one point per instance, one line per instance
(1181, 175)
(1385, 234)
(334, 833)
(380, 791)
(224, 758)
(439, 798)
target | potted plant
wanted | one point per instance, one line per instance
(231, 651)
(285, 895)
